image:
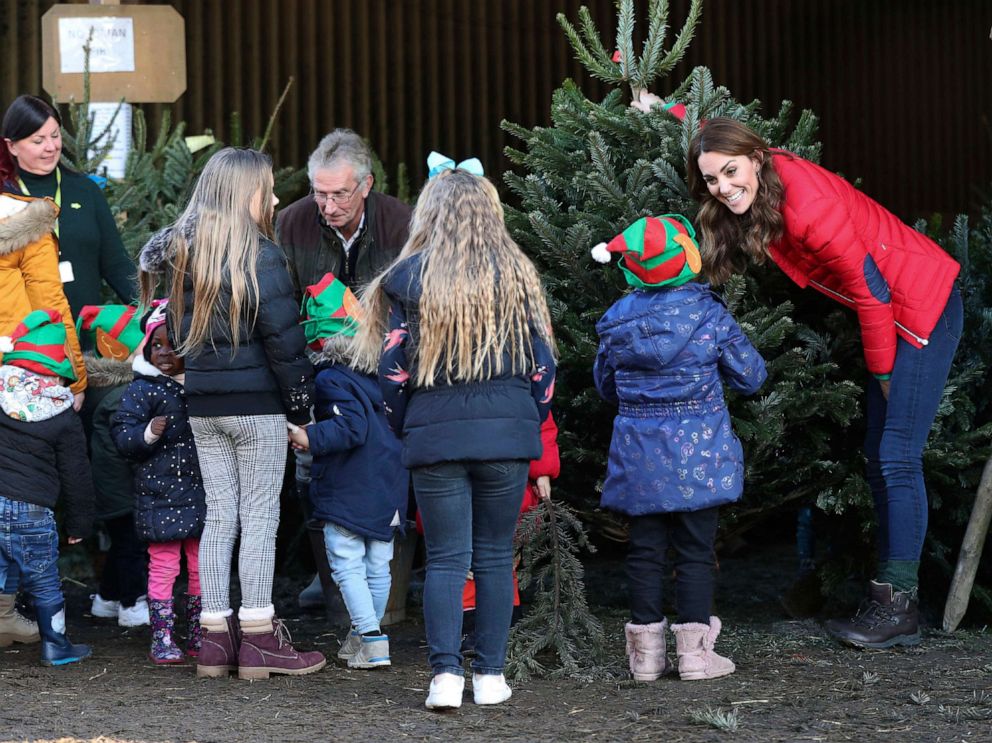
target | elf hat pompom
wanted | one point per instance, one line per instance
(329, 309)
(657, 251)
(38, 345)
(115, 329)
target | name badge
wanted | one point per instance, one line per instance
(65, 272)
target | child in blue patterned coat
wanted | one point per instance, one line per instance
(674, 459)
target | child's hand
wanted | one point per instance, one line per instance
(75, 540)
(298, 438)
(157, 425)
(543, 485)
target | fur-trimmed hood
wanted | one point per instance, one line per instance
(24, 220)
(103, 372)
(158, 252)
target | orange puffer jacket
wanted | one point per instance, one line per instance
(849, 247)
(29, 270)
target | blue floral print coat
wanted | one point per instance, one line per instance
(662, 355)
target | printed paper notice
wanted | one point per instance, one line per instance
(111, 48)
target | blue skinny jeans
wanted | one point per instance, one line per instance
(897, 431)
(469, 511)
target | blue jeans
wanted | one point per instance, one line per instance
(469, 511)
(29, 544)
(897, 431)
(360, 567)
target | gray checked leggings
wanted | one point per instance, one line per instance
(242, 459)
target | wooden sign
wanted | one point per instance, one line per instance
(138, 52)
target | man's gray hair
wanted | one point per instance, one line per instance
(339, 147)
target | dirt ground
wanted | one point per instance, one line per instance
(791, 684)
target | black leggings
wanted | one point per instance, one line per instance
(691, 535)
(125, 573)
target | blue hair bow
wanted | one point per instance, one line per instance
(436, 162)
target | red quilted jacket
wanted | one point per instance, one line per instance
(852, 249)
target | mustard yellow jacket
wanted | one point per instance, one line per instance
(29, 270)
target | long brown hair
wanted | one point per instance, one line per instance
(728, 239)
(215, 242)
(481, 295)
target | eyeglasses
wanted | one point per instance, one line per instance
(338, 198)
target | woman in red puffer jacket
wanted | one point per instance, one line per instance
(762, 204)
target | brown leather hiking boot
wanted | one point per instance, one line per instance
(266, 648)
(219, 648)
(885, 619)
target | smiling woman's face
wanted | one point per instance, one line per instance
(39, 152)
(731, 179)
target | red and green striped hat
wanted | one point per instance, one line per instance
(38, 345)
(329, 308)
(115, 329)
(657, 251)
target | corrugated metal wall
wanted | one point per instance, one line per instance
(901, 85)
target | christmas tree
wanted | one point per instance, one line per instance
(600, 166)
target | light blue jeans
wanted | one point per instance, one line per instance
(360, 567)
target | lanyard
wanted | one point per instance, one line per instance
(58, 193)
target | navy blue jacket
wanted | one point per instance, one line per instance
(357, 480)
(170, 502)
(662, 355)
(268, 373)
(493, 420)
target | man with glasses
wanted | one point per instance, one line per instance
(342, 226)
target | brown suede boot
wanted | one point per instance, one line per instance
(266, 648)
(15, 627)
(694, 645)
(219, 648)
(646, 650)
(886, 618)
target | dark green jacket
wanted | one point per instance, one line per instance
(88, 239)
(113, 475)
(313, 249)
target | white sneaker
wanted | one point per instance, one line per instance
(102, 608)
(446, 691)
(134, 616)
(489, 688)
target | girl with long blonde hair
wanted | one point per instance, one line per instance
(467, 370)
(233, 316)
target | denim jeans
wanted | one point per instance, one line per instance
(897, 431)
(30, 544)
(691, 534)
(469, 511)
(360, 567)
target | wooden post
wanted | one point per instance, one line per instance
(971, 552)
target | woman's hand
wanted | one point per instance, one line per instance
(77, 400)
(543, 485)
(74, 540)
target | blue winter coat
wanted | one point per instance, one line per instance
(497, 419)
(170, 502)
(357, 480)
(662, 354)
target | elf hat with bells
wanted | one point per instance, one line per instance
(657, 251)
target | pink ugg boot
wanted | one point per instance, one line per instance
(694, 645)
(646, 650)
